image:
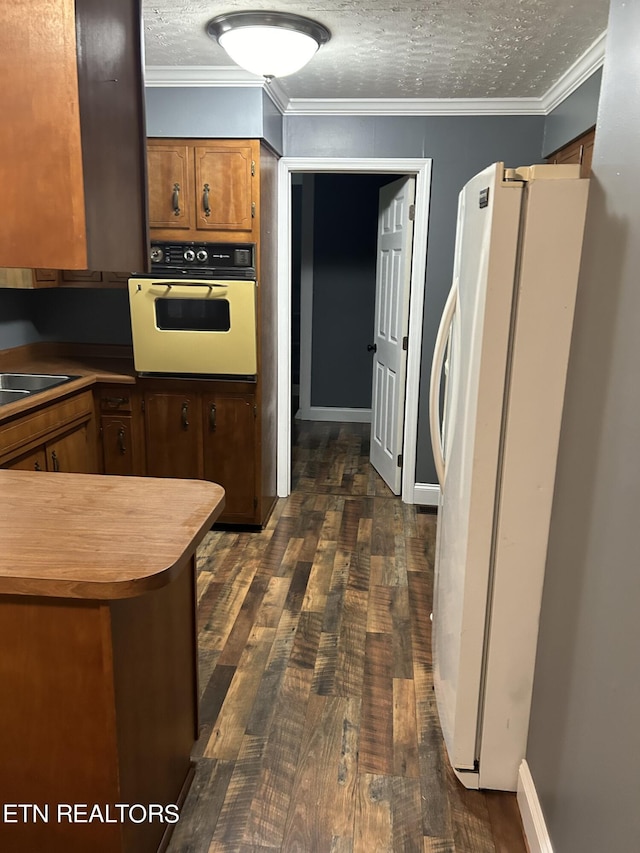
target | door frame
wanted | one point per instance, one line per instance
(421, 169)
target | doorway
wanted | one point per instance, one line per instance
(420, 168)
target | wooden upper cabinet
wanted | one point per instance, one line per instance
(170, 186)
(72, 138)
(204, 189)
(579, 151)
(224, 187)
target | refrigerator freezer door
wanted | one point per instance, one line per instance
(484, 267)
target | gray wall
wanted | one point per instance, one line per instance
(213, 112)
(574, 116)
(584, 738)
(460, 146)
(16, 318)
(64, 314)
(83, 315)
(208, 113)
(344, 288)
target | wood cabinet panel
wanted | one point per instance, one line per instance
(230, 437)
(170, 186)
(580, 151)
(74, 186)
(218, 197)
(36, 460)
(173, 434)
(72, 453)
(25, 433)
(223, 187)
(118, 446)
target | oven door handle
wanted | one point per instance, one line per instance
(189, 291)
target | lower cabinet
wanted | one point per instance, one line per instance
(56, 437)
(207, 432)
(121, 431)
(173, 434)
(230, 438)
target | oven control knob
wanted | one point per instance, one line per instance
(156, 254)
(202, 255)
(189, 255)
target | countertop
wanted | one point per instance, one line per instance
(87, 363)
(91, 536)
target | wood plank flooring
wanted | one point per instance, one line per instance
(319, 730)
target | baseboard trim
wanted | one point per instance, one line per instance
(426, 495)
(326, 413)
(535, 829)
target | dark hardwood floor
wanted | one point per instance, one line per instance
(319, 730)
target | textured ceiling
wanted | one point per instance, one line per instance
(402, 48)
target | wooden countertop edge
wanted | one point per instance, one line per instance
(125, 584)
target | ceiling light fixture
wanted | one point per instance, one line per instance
(271, 44)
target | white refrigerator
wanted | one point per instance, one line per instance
(499, 365)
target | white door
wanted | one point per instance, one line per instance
(393, 276)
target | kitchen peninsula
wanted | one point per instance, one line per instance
(97, 656)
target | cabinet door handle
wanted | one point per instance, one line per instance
(185, 416)
(205, 200)
(212, 418)
(121, 444)
(175, 200)
(37, 467)
(55, 461)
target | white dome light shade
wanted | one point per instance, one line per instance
(269, 51)
(271, 44)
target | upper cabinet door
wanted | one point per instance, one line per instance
(224, 186)
(72, 136)
(170, 170)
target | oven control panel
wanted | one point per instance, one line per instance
(203, 260)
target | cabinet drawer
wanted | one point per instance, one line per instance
(29, 430)
(117, 399)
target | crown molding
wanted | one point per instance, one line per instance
(581, 70)
(172, 76)
(416, 106)
(231, 75)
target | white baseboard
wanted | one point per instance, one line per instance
(535, 829)
(325, 413)
(426, 494)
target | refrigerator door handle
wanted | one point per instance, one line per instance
(440, 349)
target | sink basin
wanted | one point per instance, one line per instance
(11, 396)
(16, 386)
(30, 382)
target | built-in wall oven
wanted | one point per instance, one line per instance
(195, 314)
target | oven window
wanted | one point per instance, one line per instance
(189, 315)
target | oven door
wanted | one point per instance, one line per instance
(193, 326)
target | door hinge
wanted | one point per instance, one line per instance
(253, 210)
(253, 168)
(412, 212)
(255, 503)
(142, 405)
(399, 460)
(405, 343)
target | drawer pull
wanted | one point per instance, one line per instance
(115, 402)
(185, 416)
(121, 443)
(212, 418)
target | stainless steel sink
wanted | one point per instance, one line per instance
(15, 386)
(11, 396)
